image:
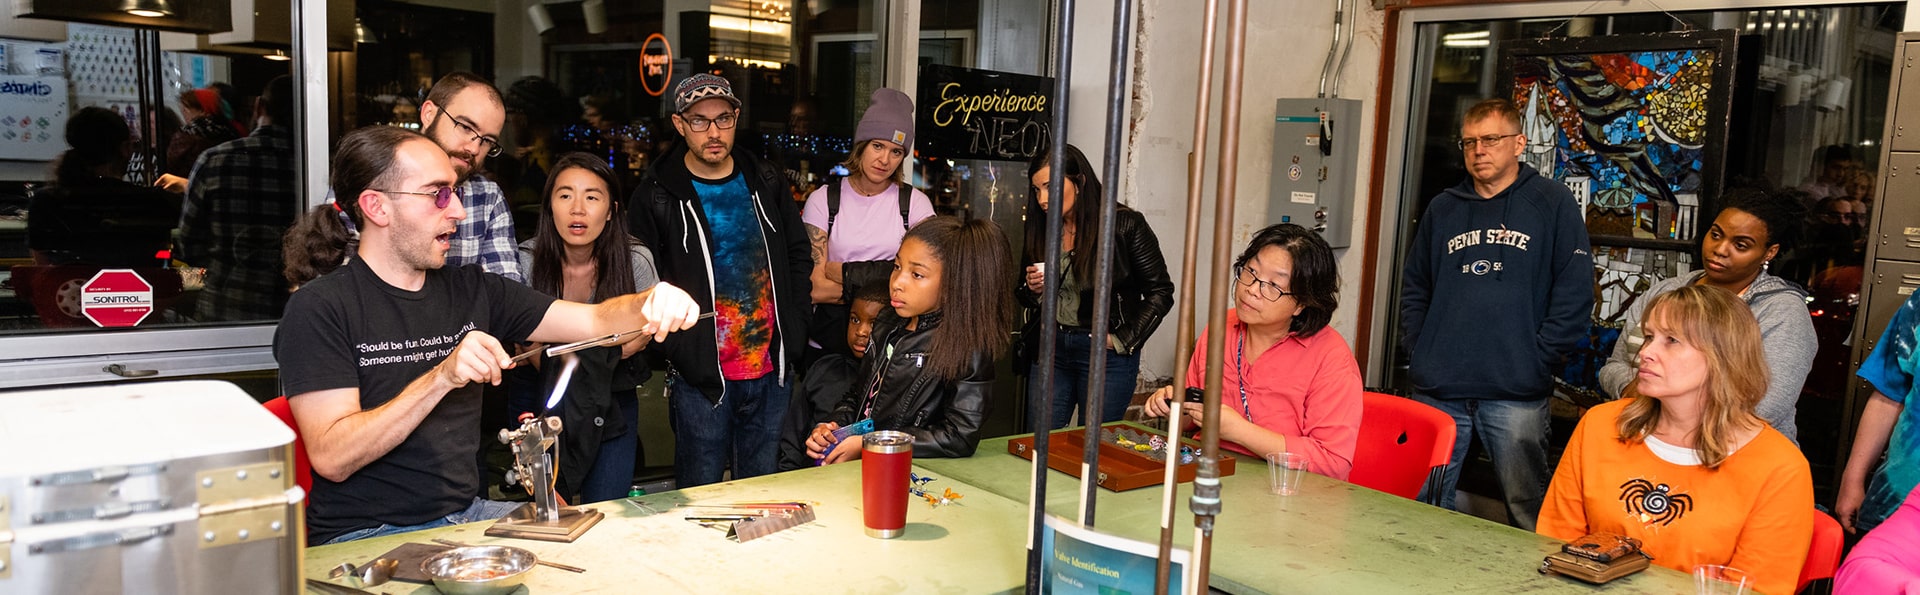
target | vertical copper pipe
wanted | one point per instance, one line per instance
(1042, 403)
(1183, 335)
(1207, 483)
(1091, 411)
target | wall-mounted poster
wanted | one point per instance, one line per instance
(33, 117)
(1635, 125)
(968, 113)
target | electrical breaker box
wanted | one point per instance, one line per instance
(1316, 152)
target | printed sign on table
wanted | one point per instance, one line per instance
(1079, 560)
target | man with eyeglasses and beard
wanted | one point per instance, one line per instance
(383, 359)
(463, 113)
(723, 225)
(1498, 287)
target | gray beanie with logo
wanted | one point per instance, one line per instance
(889, 117)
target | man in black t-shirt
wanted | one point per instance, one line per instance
(380, 359)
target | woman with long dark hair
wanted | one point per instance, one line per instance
(931, 369)
(1142, 292)
(581, 252)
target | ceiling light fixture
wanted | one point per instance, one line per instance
(595, 13)
(539, 18)
(361, 34)
(278, 56)
(152, 9)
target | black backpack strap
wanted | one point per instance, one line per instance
(906, 200)
(833, 204)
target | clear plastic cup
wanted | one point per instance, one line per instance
(1283, 472)
(1709, 579)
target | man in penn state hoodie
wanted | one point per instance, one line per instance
(1498, 287)
(722, 224)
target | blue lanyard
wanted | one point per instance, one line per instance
(1240, 365)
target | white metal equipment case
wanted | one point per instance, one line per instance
(158, 488)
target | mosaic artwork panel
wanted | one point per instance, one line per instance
(1626, 131)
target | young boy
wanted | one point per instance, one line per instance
(828, 379)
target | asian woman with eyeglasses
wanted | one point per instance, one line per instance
(1291, 383)
(581, 252)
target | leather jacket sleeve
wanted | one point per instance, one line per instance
(847, 410)
(955, 432)
(1139, 251)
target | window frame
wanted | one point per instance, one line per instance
(79, 357)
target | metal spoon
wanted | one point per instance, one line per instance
(373, 574)
(377, 572)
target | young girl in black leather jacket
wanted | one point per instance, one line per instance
(929, 369)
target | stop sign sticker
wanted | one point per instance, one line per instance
(116, 297)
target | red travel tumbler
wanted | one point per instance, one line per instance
(884, 469)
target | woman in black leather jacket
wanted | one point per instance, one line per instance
(1142, 293)
(929, 369)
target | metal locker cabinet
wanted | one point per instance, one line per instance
(1897, 213)
(1892, 283)
(1905, 132)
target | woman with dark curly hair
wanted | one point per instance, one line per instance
(1291, 384)
(1751, 230)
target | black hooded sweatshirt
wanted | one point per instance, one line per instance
(665, 214)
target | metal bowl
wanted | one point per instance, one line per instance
(479, 570)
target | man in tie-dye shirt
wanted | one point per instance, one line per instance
(1887, 424)
(724, 226)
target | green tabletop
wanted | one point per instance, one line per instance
(975, 546)
(1330, 537)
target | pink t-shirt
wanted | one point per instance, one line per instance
(868, 227)
(1307, 389)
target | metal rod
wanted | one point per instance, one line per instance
(1042, 403)
(1183, 335)
(148, 83)
(1347, 49)
(1326, 68)
(310, 132)
(1092, 412)
(1206, 483)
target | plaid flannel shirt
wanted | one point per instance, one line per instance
(486, 236)
(241, 198)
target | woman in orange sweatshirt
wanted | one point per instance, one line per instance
(1682, 463)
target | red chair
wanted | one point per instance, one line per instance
(1824, 557)
(303, 470)
(1404, 445)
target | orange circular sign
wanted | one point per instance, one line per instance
(656, 65)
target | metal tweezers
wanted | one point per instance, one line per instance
(587, 344)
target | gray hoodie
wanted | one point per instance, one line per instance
(1785, 329)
